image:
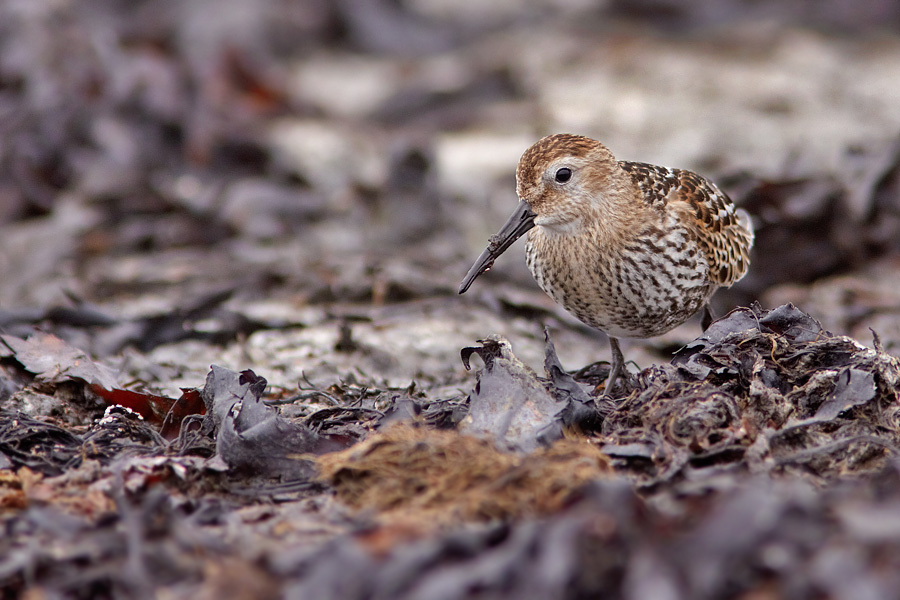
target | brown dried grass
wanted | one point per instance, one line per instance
(412, 471)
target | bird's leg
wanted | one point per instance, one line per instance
(706, 317)
(617, 366)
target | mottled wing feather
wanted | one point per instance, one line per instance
(656, 183)
(723, 232)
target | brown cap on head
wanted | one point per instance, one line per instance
(552, 148)
(561, 175)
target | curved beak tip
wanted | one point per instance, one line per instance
(518, 223)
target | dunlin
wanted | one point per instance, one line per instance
(629, 248)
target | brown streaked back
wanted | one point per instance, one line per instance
(723, 232)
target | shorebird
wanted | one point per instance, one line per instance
(629, 248)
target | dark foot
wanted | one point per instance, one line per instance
(706, 317)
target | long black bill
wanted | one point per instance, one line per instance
(518, 223)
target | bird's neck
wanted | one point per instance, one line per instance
(606, 219)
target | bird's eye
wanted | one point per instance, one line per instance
(563, 175)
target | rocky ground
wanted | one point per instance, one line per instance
(292, 192)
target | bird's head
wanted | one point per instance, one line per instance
(560, 180)
(562, 177)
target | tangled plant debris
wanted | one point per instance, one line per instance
(291, 191)
(769, 388)
(756, 411)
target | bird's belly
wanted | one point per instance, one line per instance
(629, 293)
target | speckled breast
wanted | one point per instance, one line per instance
(646, 286)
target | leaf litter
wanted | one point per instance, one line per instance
(181, 149)
(743, 444)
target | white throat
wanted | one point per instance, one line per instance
(553, 227)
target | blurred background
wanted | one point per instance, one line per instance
(300, 186)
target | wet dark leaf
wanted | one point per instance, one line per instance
(53, 361)
(508, 403)
(251, 437)
(852, 388)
